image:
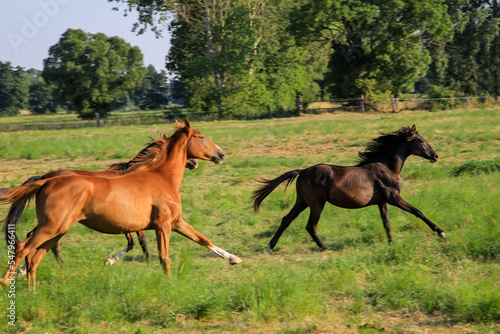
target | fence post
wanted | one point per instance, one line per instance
(362, 103)
(394, 103)
(97, 120)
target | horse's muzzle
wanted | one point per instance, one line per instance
(218, 159)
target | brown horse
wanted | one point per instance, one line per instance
(375, 180)
(147, 199)
(16, 210)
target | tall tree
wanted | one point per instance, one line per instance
(92, 71)
(42, 98)
(377, 45)
(238, 55)
(153, 92)
(470, 60)
(13, 89)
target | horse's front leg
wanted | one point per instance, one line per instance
(402, 204)
(385, 220)
(183, 228)
(163, 238)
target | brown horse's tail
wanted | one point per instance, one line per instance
(19, 197)
(269, 185)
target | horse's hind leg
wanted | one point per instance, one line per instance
(316, 209)
(56, 250)
(183, 228)
(24, 268)
(23, 249)
(35, 257)
(143, 243)
(385, 220)
(300, 205)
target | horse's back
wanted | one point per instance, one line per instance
(346, 187)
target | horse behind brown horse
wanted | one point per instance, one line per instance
(147, 199)
(373, 181)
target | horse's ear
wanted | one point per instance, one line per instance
(413, 133)
(178, 124)
(186, 123)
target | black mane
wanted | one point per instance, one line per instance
(383, 146)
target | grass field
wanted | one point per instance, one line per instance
(420, 284)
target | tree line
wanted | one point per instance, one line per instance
(235, 56)
(87, 73)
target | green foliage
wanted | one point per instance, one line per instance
(13, 89)
(438, 93)
(467, 61)
(477, 167)
(42, 98)
(152, 93)
(377, 46)
(253, 61)
(92, 71)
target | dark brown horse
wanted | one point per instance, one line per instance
(16, 210)
(146, 199)
(373, 181)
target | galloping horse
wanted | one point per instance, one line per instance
(16, 210)
(147, 199)
(374, 180)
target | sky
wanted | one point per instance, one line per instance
(28, 28)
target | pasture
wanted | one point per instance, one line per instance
(420, 284)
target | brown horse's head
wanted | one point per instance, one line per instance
(419, 146)
(200, 147)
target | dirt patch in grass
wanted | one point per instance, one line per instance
(18, 170)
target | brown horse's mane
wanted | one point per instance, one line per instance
(149, 157)
(383, 146)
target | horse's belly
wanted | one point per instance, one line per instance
(115, 225)
(349, 198)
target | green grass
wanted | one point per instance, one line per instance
(360, 285)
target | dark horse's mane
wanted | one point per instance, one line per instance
(149, 157)
(383, 146)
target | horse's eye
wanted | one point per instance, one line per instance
(201, 137)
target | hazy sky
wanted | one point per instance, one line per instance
(28, 28)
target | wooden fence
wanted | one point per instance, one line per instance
(395, 105)
(115, 120)
(301, 106)
(357, 104)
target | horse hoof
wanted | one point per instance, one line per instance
(269, 250)
(110, 262)
(235, 260)
(442, 235)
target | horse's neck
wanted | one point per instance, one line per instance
(174, 164)
(397, 161)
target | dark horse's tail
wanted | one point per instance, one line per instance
(19, 197)
(269, 185)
